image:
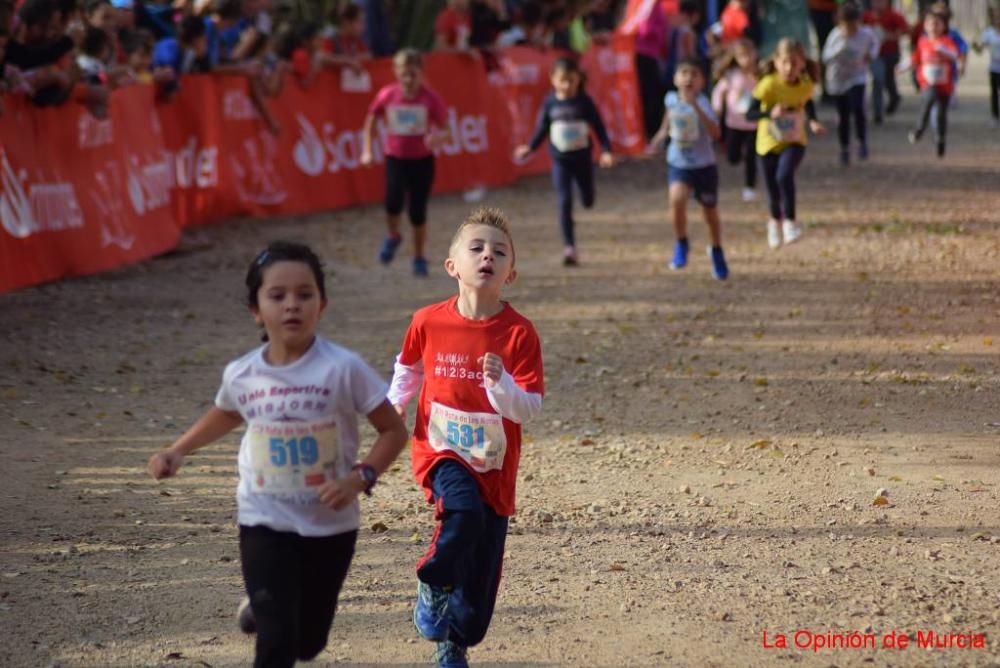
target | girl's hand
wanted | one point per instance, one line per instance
(435, 140)
(817, 128)
(522, 152)
(164, 464)
(338, 494)
(492, 369)
(366, 158)
(606, 159)
(401, 411)
(777, 110)
(655, 144)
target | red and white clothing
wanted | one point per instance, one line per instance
(885, 24)
(734, 92)
(934, 61)
(455, 27)
(408, 119)
(458, 416)
(733, 23)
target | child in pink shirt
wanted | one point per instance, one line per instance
(415, 118)
(737, 76)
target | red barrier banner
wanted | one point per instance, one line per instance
(80, 195)
(104, 193)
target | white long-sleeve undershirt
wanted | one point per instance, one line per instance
(507, 397)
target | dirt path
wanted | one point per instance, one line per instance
(704, 470)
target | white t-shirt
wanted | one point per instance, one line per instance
(328, 386)
(845, 58)
(991, 38)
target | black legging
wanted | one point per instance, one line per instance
(293, 583)
(932, 98)
(740, 145)
(995, 95)
(851, 103)
(651, 92)
(779, 174)
(823, 22)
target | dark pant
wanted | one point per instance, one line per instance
(933, 99)
(565, 170)
(466, 552)
(851, 104)
(293, 583)
(823, 22)
(779, 174)
(651, 91)
(995, 94)
(884, 78)
(412, 180)
(740, 145)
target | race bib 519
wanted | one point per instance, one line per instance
(569, 135)
(291, 457)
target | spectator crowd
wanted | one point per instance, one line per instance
(54, 51)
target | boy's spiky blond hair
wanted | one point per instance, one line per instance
(490, 217)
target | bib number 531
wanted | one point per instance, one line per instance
(465, 436)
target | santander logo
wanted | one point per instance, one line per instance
(42, 207)
(327, 150)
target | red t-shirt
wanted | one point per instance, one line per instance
(886, 22)
(455, 27)
(734, 23)
(345, 45)
(453, 395)
(934, 62)
(408, 120)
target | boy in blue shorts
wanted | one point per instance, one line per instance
(692, 127)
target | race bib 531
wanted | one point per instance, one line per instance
(478, 438)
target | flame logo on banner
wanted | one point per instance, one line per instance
(309, 154)
(15, 207)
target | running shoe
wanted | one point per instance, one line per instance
(720, 270)
(244, 617)
(791, 231)
(450, 655)
(773, 233)
(569, 257)
(680, 254)
(430, 614)
(388, 250)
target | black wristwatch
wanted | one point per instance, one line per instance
(367, 473)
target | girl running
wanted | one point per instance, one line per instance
(850, 49)
(782, 103)
(733, 93)
(299, 396)
(935, 61)
(416, 119)
(567, 116)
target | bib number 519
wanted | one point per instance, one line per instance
(294, 451)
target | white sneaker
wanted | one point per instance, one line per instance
(791, 230)
(773, 233)
(749, 194)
